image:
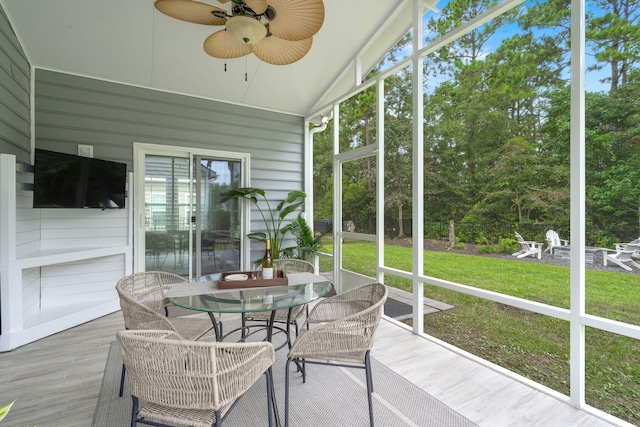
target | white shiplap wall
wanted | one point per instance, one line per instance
(82, 281)
(82, 228)
(63, 266)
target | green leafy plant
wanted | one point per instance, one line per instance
(276, 221)
(307, 245)
(487, 249)
(5, 410)
(507, 245)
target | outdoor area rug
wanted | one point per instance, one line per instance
(394, 308)
(334, 397)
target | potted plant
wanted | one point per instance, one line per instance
(307, 245)
(277, 222)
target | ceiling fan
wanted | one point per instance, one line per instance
(279, 32)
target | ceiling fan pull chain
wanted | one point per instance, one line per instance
(245, 69)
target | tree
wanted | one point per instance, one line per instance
(323, 173)
(514, 183)
(613, 123)
(398, 146)
(463, 128)
(614, 33)
(613, 149)
(497, 122)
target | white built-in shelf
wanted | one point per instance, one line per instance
(69, 315)
(56, 286)
(44, 257)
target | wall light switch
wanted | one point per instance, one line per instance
(85, 150)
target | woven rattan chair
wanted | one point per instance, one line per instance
(142, 303)
(282, 316)
(192, 383)
(344, 336)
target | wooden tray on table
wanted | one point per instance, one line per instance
(236, 280)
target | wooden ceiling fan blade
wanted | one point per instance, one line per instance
(221, 44)
(277, 51)
(191, 11)
(296, 19)
(258, 6)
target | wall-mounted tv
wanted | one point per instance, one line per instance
(68, 181)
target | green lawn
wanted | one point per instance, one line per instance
(532, 345)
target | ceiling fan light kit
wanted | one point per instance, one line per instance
(278, 32)
(245, 29)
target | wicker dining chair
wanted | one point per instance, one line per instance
(288, 265)
(143, 307)
(195, 383)
(344, 336)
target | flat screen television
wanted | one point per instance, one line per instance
(68, 181)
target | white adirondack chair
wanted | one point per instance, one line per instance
(636, 253)
(528, 248)
(554, 240)
(622, 255)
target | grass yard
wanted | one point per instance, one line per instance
(530, 344)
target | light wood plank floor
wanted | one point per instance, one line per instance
(56, 380)
(474, 390)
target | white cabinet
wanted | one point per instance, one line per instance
(58, 267)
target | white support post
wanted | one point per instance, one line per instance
(10, 286)
(307, 162)
(417, 167)
(380, 181)
(577, 204)
(337, 203)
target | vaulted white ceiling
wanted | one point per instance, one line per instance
(129, 41)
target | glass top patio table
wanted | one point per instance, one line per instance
(303, 288)
(203, 295)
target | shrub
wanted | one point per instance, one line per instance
(507, 246)
(487, 249)
(481, 239)
(459, 245)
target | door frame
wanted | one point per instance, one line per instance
(344, 279)
(140, 151)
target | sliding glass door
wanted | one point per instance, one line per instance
(167, 213)
(216, 226)
(183, 228)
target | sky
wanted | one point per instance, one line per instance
(593, 78)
